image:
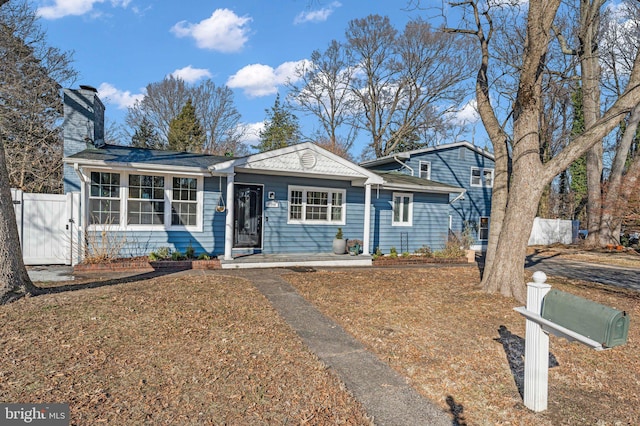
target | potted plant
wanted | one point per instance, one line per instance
(339, 243)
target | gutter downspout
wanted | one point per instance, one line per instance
(459, 197)
(395, 157)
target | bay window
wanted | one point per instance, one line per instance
(139, 201)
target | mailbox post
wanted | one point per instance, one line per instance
(536, 365)
(581, 319)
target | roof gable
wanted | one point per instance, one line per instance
(301, 159)
(408, 154)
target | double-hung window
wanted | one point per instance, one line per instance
(146, 200)
(184, 202)
(402, 209)
(425, 169)
(481, 177)
(483, 229)
(316, 205)
(104, 198)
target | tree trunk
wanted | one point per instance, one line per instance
(14, 279)
(610, 219)
(506, 275)
(590, 67)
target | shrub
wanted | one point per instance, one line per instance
(204, 256)
(377, 253)
(190, 251)
(163, 253)
(393, 252)
(177, 255)
(406, 254)
(451, 249)
(424, 251)
(339, 235)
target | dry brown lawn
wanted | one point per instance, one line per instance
(207, 348)
(626, 258)
(186, 350)
(438, 329)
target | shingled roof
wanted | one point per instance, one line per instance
(129, 156)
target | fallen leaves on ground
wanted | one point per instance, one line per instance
(455, 344)
(182, 350)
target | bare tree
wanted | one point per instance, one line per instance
(618, 43)
(162, 102)
(519, 185)
(220, 119)
(405, 83)
(30, 72)
(323, 92)
(214, 106)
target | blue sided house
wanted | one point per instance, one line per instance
(462, 165)
(285, 201)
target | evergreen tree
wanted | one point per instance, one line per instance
(281, 128)
(185, 131)
(146, 136)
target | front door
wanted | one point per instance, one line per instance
(248, 216)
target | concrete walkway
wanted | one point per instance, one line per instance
(385, 394)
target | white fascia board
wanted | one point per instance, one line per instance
(416, 188)
(142, 167)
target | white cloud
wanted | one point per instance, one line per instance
(258, 80)
(190, 74)
(62, 8)
(224, 31)
(467, 114)
(121, 99)
(319, 15)
(252, 133)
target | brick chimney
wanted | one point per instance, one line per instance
(83, 128)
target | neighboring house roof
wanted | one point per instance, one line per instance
(130, 157)
(405, 155)
(401, 181)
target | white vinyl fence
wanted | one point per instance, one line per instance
(551, 231)
(47, 225)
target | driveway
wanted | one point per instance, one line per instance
(618, 276)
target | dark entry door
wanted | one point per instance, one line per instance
(248, 216)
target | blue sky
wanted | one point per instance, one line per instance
(252, 46)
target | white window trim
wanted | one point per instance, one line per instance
(480, 227)
(305, 221)
(168, 189)
(482, 183)
(409, 221)
(420, 163)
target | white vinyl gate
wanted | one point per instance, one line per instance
(47, 225)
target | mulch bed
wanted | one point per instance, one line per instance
(144, 265)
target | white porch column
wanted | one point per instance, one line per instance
(367, 219)
(536, 364)
(228, 227)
